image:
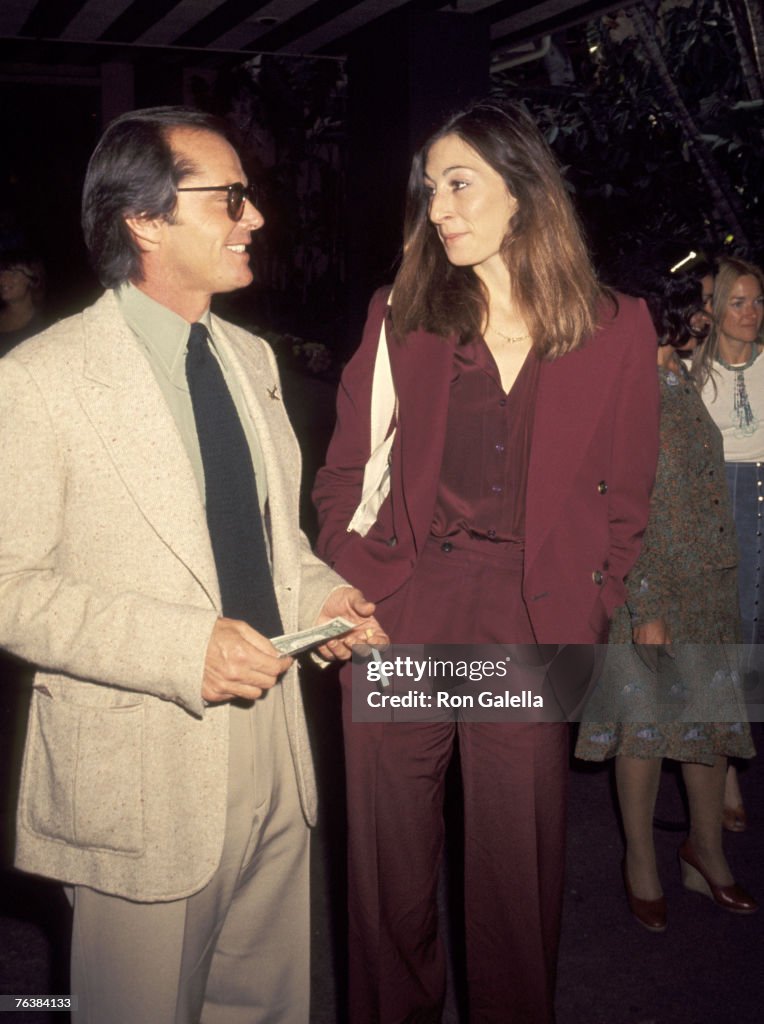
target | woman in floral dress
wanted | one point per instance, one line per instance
(670, 686)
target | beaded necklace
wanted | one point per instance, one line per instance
(743, 417)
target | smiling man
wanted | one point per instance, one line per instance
(149, 547)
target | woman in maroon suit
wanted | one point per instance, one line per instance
(520, 477)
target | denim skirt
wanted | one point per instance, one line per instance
(746, 486)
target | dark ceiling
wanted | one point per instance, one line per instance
(223, 27)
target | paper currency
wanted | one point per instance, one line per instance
(297, 643)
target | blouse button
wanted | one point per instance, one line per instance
(499, 447)
(602, 487)
(491, 533)
(392, 541)
(597, 577)
(496, 488)
(446, 546)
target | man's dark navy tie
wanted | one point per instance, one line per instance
(233, 510)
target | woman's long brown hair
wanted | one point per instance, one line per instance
(552, 278)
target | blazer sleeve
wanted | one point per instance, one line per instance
(634, 448)
(649, 581)
(339, 483)
(64, 624)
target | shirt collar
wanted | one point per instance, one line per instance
(164, 333)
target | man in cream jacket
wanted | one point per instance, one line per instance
(167, 776)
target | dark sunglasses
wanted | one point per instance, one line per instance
(237, 196)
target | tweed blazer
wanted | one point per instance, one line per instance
(592, 464)
(108, 583)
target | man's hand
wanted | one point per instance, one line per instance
(240, 662)
(350, 603)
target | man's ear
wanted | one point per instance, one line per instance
(146, 231)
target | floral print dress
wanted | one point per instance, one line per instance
(685, 703)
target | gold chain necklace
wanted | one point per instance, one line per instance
(511, 339)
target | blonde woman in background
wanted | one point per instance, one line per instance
(730, 372)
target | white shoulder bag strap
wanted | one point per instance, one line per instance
(384, 416)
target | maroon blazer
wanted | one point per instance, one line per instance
(592, 464)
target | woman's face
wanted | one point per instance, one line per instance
(470, 206)
(742, 317)
(14, 284)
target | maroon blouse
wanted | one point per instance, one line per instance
(484, 473)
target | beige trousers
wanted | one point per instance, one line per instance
(238, 951)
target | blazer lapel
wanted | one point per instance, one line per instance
(260, 389)
(125, 405)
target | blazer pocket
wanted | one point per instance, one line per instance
(85, 775)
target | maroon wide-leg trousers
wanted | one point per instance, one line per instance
(514, 778)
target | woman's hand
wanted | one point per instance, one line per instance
(654, 632)
(648, 637)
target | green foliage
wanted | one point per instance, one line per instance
(631, 165)
(628, 159)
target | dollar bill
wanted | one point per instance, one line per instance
(297, 643)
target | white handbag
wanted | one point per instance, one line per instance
(384, 418)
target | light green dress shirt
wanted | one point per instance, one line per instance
(164, 338)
